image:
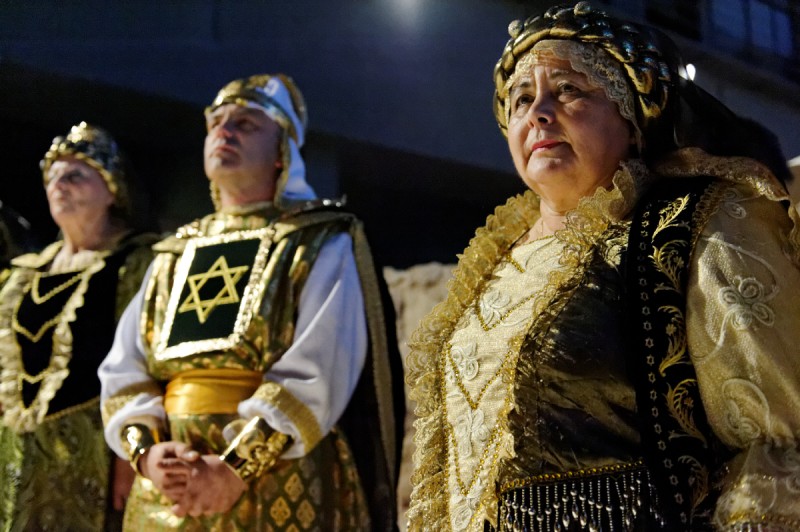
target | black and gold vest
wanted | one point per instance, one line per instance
(608, 424)
(61, 326)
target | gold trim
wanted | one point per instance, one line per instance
(502, 370)
(39, 299)
(594, 216)
(745, 520)
(33, 337)
(572, 475)
(86, 405)
(250, 300)
(300, 220)
(493, 445)
(254, 450)
(430, 495)
(38, 260)
(110, 406)
(15, 414)
(298, 413)
(694, 162)
(133, 269)
(226, 296)
(376, 326)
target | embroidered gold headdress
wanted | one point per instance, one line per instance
(97, 148)
(281, 100)
(634, 47)
(287, 107)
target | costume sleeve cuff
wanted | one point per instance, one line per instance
(253, 447)
(136, 440)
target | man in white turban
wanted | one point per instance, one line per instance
(257, 334)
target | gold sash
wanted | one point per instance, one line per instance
(210, 391)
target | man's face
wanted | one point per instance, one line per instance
(241, 146)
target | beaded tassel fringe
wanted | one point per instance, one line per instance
(604, 503)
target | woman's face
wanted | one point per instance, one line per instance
(77, 193)
(566, 137)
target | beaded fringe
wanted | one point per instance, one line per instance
(611, 502)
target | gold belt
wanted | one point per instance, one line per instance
(210, 391)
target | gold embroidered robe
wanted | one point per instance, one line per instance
(564, 404)
(55, 329)
(321, 490)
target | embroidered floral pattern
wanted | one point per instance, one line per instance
(442, 497)
(746, 302)
(731, 203)
(491, 307)
(469, 427)
(465, 360)
(742, 399)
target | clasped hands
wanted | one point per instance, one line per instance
(197, 484)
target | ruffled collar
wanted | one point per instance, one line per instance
(584, 228)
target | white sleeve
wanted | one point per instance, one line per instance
(317, 375)
(127, 392)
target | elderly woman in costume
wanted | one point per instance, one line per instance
(254, 345)
(58, 312)
(618, 347)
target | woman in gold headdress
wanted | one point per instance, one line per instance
(58, 311)
(617, 350)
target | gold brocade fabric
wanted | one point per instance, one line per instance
(478, 357)
(320, 491)
(572, 404)
(270, 332)
(56, 477)
(54, 463)
(434, 506)
(743, 330)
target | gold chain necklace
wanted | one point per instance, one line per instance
(39, 299)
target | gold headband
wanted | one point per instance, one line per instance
(252, 91)
(97, 148)
(600, 69)
(633, 47)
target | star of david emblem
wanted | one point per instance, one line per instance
(226, 296)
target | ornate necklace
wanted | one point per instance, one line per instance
(12, 373)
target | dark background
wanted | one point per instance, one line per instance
(398, 91)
